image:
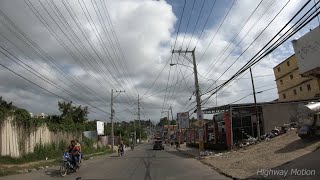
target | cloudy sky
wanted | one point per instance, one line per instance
(79, 50)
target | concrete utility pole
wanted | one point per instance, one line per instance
(135, 132)
(196, 81)
(112, 116)
(256, 107)
(168, 124)
(139, 119)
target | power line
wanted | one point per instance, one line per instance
(214, 62)
(216, 32)
(276, 44)
(214, 2)
(185, 32)
(252, 41)
(184, 5)
(196, 23)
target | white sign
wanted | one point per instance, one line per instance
(183, 120)
(200, 115)
(307, 50)
(100, 128)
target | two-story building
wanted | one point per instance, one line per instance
(291, 85)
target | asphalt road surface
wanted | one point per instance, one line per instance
(141, 163)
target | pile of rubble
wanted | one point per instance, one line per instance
(274, 133)
(206, 153)
(278, 131)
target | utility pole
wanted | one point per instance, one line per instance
(196, 83)
(112, 116)
(135, 132)
(139, 119)
(172, 117)
(112, 112)
(256, 106)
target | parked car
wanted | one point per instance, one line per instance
(158, 145)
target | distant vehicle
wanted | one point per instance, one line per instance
(158, 145)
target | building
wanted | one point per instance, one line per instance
(307, 51)
(232, 122)
(291, 85)
(31, 114)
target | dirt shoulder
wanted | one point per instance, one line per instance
(265, 155)
(9, 169)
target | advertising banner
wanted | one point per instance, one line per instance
(183, 120)
(100, 128)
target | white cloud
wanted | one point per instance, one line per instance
(145, 31)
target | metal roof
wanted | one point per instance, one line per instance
(236, 106)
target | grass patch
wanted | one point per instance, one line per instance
(52, 151)
(7, 172)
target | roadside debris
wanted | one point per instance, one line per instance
(274, 133)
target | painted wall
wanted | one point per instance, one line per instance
(15, 141)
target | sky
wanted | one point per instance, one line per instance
(79, 50)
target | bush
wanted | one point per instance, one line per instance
(41, 151)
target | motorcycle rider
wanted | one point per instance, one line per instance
(121, 147)
(74, 152)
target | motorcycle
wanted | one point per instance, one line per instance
(120, 152)
(67, 164)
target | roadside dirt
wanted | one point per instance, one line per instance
(245, 162)
(3, 166)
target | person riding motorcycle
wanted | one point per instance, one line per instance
(121, 147)
(74, 151)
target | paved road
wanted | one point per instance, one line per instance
(141, 163)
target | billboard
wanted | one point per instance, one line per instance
(183, 120)
(100, 128)
(307, 50)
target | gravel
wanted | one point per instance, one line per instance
(245, 162)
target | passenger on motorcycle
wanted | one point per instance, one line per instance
(79, 147)
(74, 151)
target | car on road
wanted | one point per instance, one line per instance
(158, 145)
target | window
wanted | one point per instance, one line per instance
(278, 69)
(284, 96)
(281, 82)
(288, 63)
(294, 92)
(300, 88)
(291, 76)
(309, 87)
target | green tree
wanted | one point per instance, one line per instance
(163, 121)
(173, 122)
(72, 114)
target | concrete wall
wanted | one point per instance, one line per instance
(15, 141)
(278, 114)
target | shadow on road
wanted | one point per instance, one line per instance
(296, 145)
(52, 172)
(181, 154)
